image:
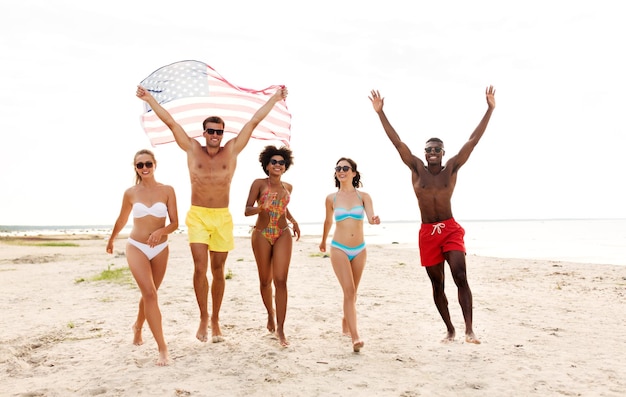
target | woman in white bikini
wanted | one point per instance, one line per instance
(147, 252)
(348, 207)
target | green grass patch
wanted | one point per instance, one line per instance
(120, 275)
(38, 243)
(54, 244)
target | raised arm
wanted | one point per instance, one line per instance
(241, 140)
(405, 153)
(182, 139)
(461, 158)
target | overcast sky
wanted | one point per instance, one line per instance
(69, 124)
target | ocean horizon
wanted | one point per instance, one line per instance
(599, 241)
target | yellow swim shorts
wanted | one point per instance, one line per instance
(211, 226)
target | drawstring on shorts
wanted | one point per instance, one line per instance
(437, 228)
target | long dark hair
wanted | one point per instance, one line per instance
(356, 181)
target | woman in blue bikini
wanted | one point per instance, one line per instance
(271, 237)
(147, 252)
(348, 207)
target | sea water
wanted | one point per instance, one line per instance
(586, 241)
(601, 241)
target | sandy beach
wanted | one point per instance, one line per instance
(547, 328)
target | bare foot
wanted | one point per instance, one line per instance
(203, 331)
(137, 337)
(164, 359)
(271, 325)
(471, 338)
(282, 338)
(345, 330)
(216, 333)
(356, 346)
(449, 337)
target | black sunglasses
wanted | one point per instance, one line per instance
(436, 149)
(345, 168)
(279, 162)
(211, 131)
(148, 164)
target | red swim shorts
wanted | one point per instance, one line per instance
(439, 237)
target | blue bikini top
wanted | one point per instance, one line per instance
(357, 212)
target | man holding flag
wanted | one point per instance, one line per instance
(209, 222)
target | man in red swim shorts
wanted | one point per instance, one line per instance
(435, 239)
(441, 237)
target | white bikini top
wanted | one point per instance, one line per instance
(158, 210)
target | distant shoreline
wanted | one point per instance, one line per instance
(601, 241)
(107, 228)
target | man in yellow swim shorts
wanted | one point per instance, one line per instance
(209, 222)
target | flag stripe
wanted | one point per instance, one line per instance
(281, 115)
(236, 124)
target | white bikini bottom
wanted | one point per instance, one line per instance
(149, 252)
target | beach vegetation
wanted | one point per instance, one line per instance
(120, 275)
(37, 242)
(229, 275)
(55, 244)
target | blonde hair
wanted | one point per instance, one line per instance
(139, 153)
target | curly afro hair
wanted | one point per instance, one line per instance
(270, 151)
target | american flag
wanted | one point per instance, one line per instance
(192, 91)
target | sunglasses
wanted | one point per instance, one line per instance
(436, 149)
(345, 168)
(148, 164)
(211, 131)
(279, 162)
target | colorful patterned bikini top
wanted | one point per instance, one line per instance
(158, 210)
(357, 212)
(277, 208)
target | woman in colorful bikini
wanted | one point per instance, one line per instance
(271, 237)
(348, 207)
(150, 203)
